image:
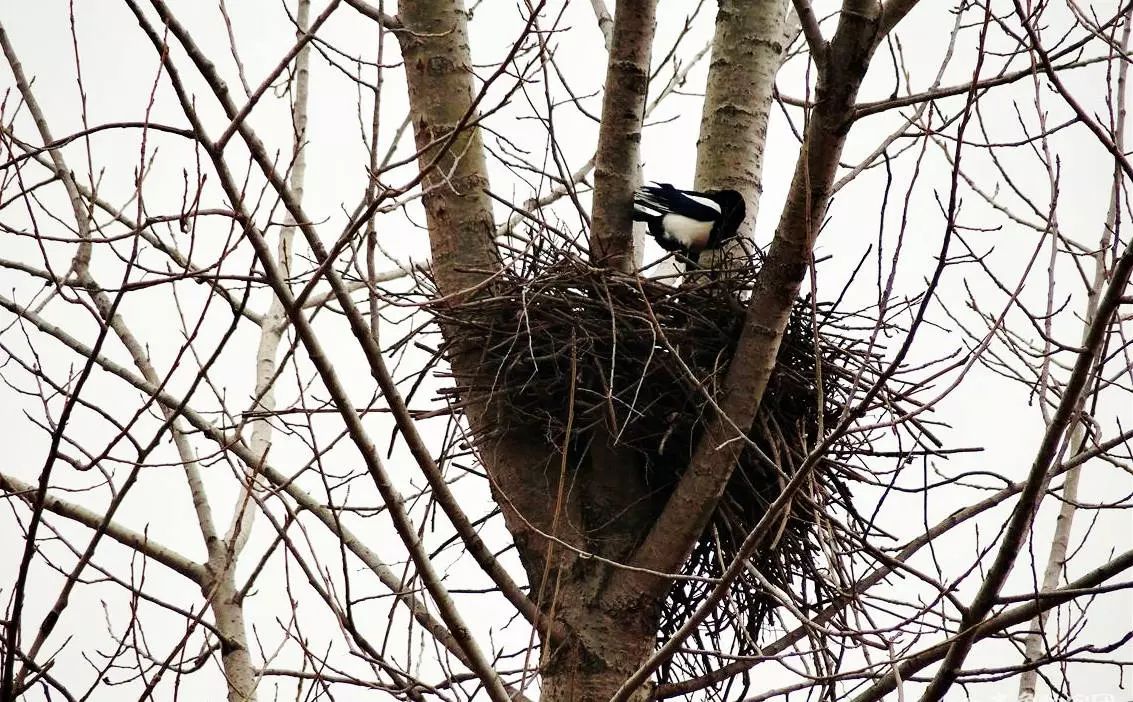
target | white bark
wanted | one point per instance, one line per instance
(275, 321)
(1036, 642)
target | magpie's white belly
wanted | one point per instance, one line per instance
(690, 233)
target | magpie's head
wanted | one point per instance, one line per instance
(732, 211)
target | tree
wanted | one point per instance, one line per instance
(144, 246)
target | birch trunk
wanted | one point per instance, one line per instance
(1064, 524)
(747, 50)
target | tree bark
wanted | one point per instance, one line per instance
(219, 588)
(594, 663)
(747, 51)
(438, 67)
(619, 136)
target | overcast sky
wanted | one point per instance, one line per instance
(119, 69)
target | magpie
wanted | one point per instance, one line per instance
(688, 221)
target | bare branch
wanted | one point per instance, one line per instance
(141, 543)
(812, 32)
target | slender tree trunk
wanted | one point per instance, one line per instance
(219, 587)
(747, 51)
(1063, 526)
(438, 67)
(619, 137)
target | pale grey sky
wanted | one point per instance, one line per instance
(119, 70)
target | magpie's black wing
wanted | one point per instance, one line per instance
(665, 199)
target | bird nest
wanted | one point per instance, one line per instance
(644, 360)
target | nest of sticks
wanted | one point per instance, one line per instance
(644, 360)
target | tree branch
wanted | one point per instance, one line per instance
(619, 137)
(142, 543)
(1042, 602)
(605, 22)
(812, 32)
(1060, 543)
(364, 8)
(1023, 515)
(232, 442)
(892, 12)
(359, 435)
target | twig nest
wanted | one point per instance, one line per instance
(642, 358)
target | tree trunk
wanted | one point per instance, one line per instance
(747, 51)
(619, 136)
(595, 662)
(527, 474)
